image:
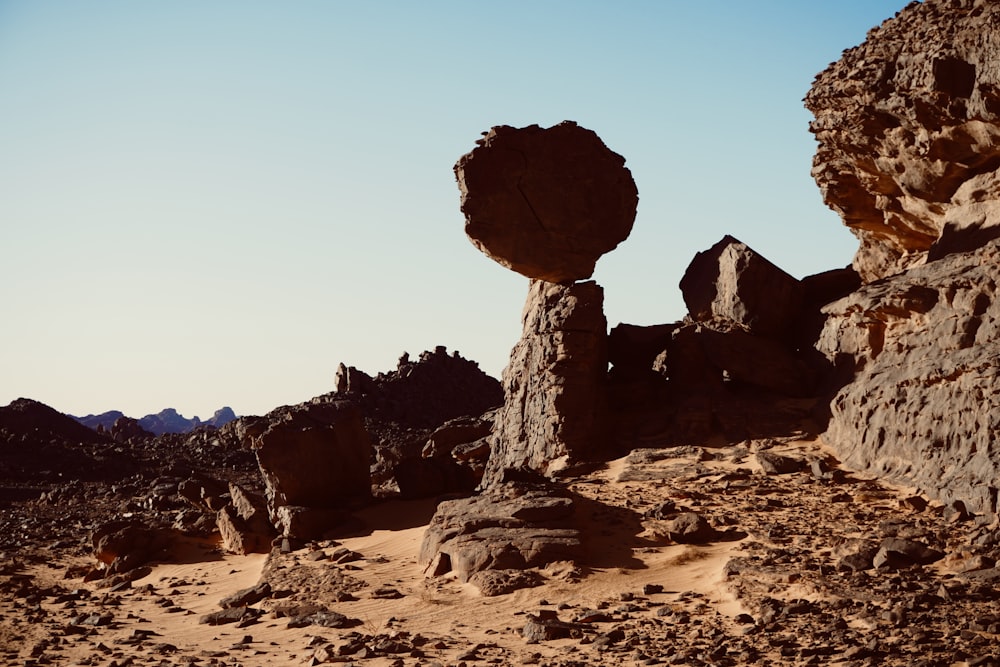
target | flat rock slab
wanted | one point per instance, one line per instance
(511, 526)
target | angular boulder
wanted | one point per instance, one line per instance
(546, 203)
(555, 407)
(732, 282)
(243, 523)
(909, 143)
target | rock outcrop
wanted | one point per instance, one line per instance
(554, 411)
(730, 281)
(403, 408)
(909, 143)
(510, 527)
(908, 125)
(923, 350)
(312, 457)
(546, 203)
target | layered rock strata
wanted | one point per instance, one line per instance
(909, 143)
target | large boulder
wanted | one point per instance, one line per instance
(554, 412)
(730, 281)
(312, 455)
(923, 351)
(909, 143)
(511, 526)
(546, 203)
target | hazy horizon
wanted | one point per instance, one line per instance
(214, 204)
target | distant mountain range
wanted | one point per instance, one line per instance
(165, 421)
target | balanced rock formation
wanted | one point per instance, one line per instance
(554, 411)
(909, 139)
(546, 203)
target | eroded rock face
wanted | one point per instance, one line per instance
(923, 407)
(546, 203)
(554, 410)
(909, 143)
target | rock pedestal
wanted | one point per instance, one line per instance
(554, 384)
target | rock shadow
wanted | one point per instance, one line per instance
(609, 534)
(391, 515)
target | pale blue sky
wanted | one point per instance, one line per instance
(210, 203)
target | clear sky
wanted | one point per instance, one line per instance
(208, 203)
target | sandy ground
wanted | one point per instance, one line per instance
(164, 608)
(156, 621)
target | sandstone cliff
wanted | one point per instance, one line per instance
(908, 134)
(908, 155)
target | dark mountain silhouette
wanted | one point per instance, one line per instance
(165, 421)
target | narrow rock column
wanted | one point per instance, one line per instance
(554, 412)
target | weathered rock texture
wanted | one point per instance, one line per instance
(313, 456)
(923, 406)
(511, 526)
(732, 282)
(554, 385)
(546, 203)
(909, 141)
(908, 130)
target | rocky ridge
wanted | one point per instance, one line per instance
(167, 420)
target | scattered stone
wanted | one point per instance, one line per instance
(691, 528)
(546, 626)
(897, 553)
(776, 464)
(247, 596)
(500, 582)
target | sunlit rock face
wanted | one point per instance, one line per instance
(909, 155)
(909, 139)
(546, 202)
